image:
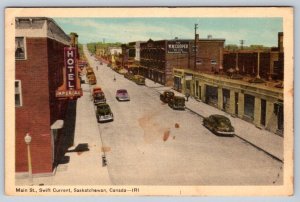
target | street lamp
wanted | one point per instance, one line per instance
(28, 139)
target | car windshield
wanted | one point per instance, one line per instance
(169, 94)
(179, 100)
(103, 107)
(99, 95)
(222, 120)
(122, 91)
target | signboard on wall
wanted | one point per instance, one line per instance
(70, 64)
(71, 87)
(178, 47)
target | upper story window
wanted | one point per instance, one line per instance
(213, 62)
(20, 48)
(199, 62)
(18, 93)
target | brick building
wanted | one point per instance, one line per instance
(258, 103)
(159, 58)
(39, 59)
(269, 63)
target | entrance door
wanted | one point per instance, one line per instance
(226, 99)
(263, 112)
(236, 103)
(197, 89)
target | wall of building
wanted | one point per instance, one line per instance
(221, 93)
(34, 115)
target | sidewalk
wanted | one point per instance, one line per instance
(84, 167)
(264, 140)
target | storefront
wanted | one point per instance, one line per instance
(249, 101)
(226, 99)
(211, 95)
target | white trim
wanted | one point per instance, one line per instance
(20, 92)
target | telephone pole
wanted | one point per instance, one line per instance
(195, 45)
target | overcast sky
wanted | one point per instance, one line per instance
(261, 31)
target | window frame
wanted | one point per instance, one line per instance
(25, 48)
(20, 93)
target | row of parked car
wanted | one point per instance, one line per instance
(90, 75)
(103, 111)
(138, 79)
(217, 124)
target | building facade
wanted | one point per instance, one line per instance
(39, 59)
(267, 64)
(260, 103)
(159, 58)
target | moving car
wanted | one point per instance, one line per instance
(166, 96)
(177, 102)
(104, 113)
(122, 95)
(219, 125)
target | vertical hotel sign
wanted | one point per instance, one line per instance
(70, 60)
(71, 87)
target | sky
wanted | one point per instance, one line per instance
(254, 31)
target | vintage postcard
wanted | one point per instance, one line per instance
(149, 101)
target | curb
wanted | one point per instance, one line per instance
(257, 147)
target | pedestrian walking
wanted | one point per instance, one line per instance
(114, 78)
(187, 94)
(97, 67)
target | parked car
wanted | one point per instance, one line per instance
(92, 80)
(138, 79)
(128, 75)
(99, 97)
(96, 89)
(104, 113)
(122, 95)
(219, 125)
(177, 102)
(166, 96)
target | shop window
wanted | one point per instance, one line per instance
(20, 48)
(18, 93)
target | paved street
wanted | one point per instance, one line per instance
(148, 143)
(143, 146)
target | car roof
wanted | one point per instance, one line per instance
(121, 90)
(179, 97)
(219, 116)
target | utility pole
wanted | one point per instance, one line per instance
(195, 45)
(242, 44)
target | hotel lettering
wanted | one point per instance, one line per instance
(70, 60)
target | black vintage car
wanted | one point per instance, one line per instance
(219, 125)
(104, 113)
(166, 96)
(177, 102)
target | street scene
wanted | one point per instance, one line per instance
(190, 110)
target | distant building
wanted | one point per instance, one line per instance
(39, 59)
(269, 63)
(159, 58)
(114, 50)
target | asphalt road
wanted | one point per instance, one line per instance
(148, 143)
